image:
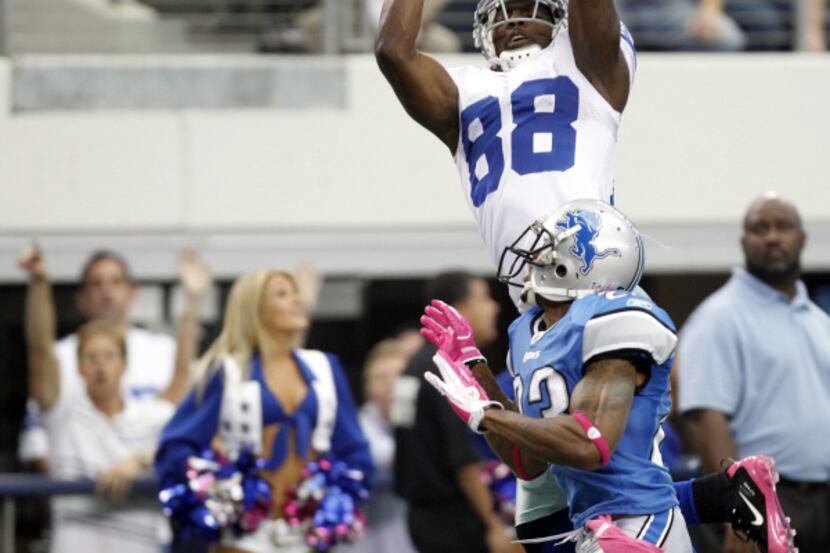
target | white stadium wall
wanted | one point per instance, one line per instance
(362, 189)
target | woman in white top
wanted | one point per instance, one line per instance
(96, 432)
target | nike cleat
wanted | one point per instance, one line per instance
(755, 509)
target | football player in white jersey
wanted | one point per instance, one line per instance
(537, 127)
(530, 132)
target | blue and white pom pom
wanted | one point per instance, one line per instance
(328, 501)
(219, 494)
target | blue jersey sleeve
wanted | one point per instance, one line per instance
(347, 441)
(189, 432)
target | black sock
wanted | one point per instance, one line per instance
(713, 496)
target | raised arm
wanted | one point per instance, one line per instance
(594, 27)
(422, 85)
(604, 396)
(195, 278)
(453, 335)
(40, 329)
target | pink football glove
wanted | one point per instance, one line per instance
(450, 332)
(466, 396)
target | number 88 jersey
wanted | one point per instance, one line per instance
(532, 139)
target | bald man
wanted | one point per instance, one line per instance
(755, 371)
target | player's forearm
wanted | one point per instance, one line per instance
(512, 455)
(400, 23)
(40, 329)
(481, 371)
(712, 438)
(557, 440)
(501, 446)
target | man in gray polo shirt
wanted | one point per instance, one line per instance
(755, 370)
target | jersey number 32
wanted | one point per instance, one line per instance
(543, 138)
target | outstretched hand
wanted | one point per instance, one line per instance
(450, 332)
(465, 395)
(32, 261)
(194, 275)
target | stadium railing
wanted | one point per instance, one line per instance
(15, 486)
(233, 26)
(176, 26)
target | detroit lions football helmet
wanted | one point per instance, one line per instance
(491, 14)
(585, 247)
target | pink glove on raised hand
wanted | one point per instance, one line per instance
(450, 332)
(466, 396)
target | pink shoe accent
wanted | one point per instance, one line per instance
(779, 531)
(613, 540)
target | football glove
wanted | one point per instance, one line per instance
(465, 395)
(450, 332)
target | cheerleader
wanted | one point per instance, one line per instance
(261, 392)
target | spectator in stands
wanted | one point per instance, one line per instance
(300, 407)
(755, 370)
(437, 461)
(409, 337)
(307, 36)
(434, 37)
(107, 292)
(816, 37)
(672, 25)
(759, 18)
(385, 513)
(96, 430)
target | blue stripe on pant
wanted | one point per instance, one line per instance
(656, 531)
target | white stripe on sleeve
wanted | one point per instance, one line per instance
(630, 329)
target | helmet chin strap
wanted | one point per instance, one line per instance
(513, 58)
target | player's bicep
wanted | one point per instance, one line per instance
(426, 90)
(595, 30)
(605, 395)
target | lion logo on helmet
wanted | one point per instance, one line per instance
(583, 247)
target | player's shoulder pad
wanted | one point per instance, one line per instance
(624, 321)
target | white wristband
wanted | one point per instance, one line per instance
(477, 415)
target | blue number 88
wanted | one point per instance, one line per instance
(544, 139)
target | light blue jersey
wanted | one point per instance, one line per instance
(548, 364)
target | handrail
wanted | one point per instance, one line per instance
(20, 485)
(23, 485)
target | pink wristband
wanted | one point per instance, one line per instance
(595, 436)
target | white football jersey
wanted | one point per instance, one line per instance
(532, 139)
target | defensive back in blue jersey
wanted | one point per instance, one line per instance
(548, 364)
